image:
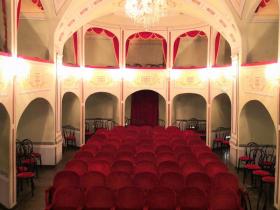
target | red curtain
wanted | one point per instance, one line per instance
(110, 35)
(148, 36)
(18, 11)
(262, 5)
(75, 43)
(217, 46)
(145, 108)
(191, 34)
(5, 46)
(38, 3)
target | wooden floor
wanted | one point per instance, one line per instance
(46, 175)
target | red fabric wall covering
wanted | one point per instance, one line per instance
(18, 11)
(110, 35)
(102, 67)
(145, 108)
(34, 59)
(147, 36)
(259, 63)
(191, 34)
(262, 4)
(75, 45)
(38, 3)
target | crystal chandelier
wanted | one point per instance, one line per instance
(146, 12)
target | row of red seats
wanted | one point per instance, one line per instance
(133, 198)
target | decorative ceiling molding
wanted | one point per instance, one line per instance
(238, 6)
(58, 5)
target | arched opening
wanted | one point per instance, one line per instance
(256, 124)
(71, 117)
(189, 112)
(221, 121)
(4, 27)
(102, 111)
(151, 46)
(262, 40)
(190, 50)
(33, 33)
(145, 107)
(101, 48)
(222, 51)
(37, 127)
(4, 139)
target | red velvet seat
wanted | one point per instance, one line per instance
(225, 180)
(67, 198)
(131, 198)
(118, 180)
(161, 198)
(166, 156)
(78, 166)
(62, 179)
(100, 166)
(92, 179)
(186, 157)
(26, 176)
(168, 166)
(224, 200)
(123, 166)
(145, 181)
(145, 156)
(192, 167)
(213, 169)
(83, 154)
(192, 199)
(171, 180)
(198, 180)
(145, 166)
(99, 198)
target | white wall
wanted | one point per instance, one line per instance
(224, 53)
(37, 122)
(68, 51)
(262, 41)
(33, 38)
(221, 112)
(99, 51)
(256, 125)
(4, 140)
(188, 105)
(71, 110)
(145, 52)
(192, 52)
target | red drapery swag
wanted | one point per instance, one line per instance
(148, 36)
(4, 11)
(75, 45)
(217, 46)
(37, 2)
(110, 35)
(262, 5)
(145, 108)
(191, 34)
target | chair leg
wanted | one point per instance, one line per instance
(238, 166)
(244, 175)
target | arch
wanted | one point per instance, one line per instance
(161, 107)
(80, 13)
(71, 110)
(187, 106)
(222, 56)
(39, 127)
(102, 105)
(97, 48)
(221, 111)
(5, 125)
(256, 124)
(156, 43)
(190, 49)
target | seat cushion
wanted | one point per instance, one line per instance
(252, 167)
(24, 175)
(244, 158)
(261, 173)
(268, 179)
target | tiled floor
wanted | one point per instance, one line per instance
(37, 202)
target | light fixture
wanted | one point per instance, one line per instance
(146, 12)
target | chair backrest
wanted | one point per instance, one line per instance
(172, 180)
(161, 198)
(109, 157)
(214, 168)
(100, 166)
(145, 166)
(130, 198)
(166, 156)
(192, 167)
(163, 149)
(99, 198)
(145, 181)
(118, 180)
(78, 166)
(168, 166)
(198, 180)
(192, 198)
(83, 154)
(66, 179)
(123, 166)
(145, 156)
(92, 179)
(28, 147)
(186, 157)
(125, 155)
(68, 198)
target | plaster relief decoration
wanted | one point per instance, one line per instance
(223, 83)
(190, 79)
(255, 83)
(238, 6)
(101, 79)
(3, 84)
(36, 80)
(71, 82)
(154, 79)
(58, 4)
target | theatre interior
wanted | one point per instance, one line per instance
(139, 104)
